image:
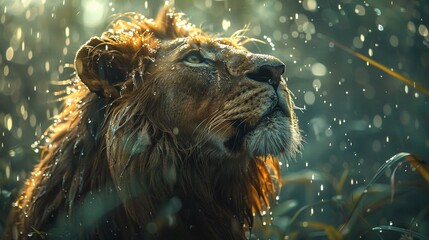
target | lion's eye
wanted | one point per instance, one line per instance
(194, 57)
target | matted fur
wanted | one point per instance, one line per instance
(139, 150)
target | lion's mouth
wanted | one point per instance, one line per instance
(243, 129)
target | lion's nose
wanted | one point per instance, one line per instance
(269, 71)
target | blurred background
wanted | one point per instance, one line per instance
(356, 114)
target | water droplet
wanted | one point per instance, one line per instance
(175, 131)
(226, 24)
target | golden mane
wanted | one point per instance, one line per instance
(111, 168)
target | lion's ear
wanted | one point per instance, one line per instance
(98, 68)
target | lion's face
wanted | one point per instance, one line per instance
(225, 97)
(208, 91)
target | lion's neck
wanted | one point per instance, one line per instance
(215, 202)
(208, 197)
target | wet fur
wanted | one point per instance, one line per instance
(114, 168)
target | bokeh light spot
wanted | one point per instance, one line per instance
(318, 69)
(309, 98)
(94, 13)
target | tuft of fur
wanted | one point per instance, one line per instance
(112, 167)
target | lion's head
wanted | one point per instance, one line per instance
(186, 128)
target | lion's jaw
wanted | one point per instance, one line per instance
(227, 98)
(277, 133)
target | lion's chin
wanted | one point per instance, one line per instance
(274, 136)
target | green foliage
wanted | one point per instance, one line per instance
(357, 211)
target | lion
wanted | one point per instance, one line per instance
(167, 132)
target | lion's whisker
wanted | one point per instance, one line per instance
(209, 119)
(207, 133)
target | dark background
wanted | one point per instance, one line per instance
(354, 118)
